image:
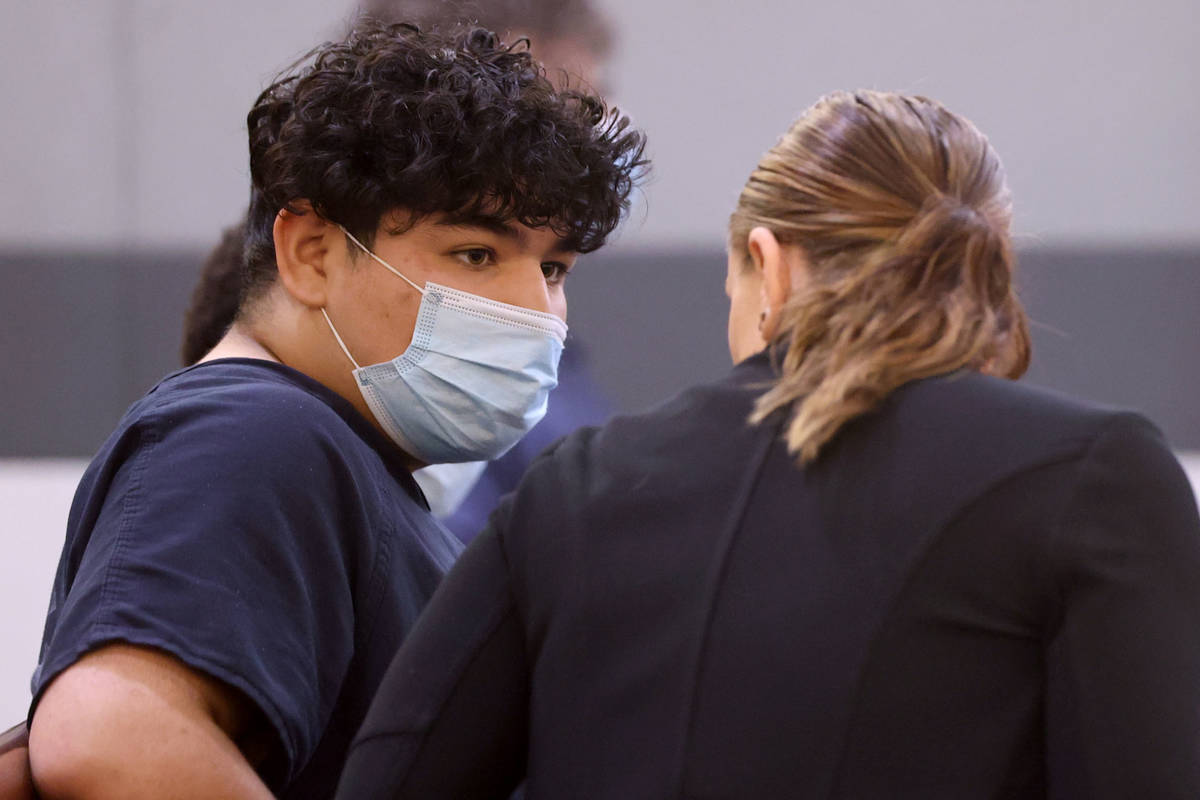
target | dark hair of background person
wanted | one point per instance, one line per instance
(395, 118)
(214, 301)
(903, 212)
(542, 20)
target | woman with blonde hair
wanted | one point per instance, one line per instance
(864, 565)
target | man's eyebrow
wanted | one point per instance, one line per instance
(490, 224)
(500, 227)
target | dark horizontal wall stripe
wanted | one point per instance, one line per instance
(83, 334)
(1120, 327)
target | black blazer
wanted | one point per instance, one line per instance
(981, 590)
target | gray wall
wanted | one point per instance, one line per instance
(123, 155)
(1092, 103)
(124, 118)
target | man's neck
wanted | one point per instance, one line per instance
(277, 334)
(239, 343)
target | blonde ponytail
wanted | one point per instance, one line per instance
(902, 211)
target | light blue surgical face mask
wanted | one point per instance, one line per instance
(475, 378)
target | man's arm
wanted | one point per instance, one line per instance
(132, 722)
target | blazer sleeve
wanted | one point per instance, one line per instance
(450, 718)
(1123, 659)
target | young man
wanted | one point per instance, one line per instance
(248, 549)
(573, 40)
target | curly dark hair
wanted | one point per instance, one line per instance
(395, 119)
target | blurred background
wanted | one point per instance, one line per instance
(122, 157)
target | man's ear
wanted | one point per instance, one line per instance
(303, 252)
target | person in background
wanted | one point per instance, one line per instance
(866, 564)
(248, 548)
(573, 40)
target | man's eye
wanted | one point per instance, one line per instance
(475, 256)
(555, 272)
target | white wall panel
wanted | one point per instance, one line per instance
(36, 496)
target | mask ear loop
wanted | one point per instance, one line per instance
(382, 263)
(341, 344)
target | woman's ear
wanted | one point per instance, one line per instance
(784, 269)
(302, 252)
(769, 259)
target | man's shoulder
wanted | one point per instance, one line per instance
(239, 386)
(204, 420)
(247, 402)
